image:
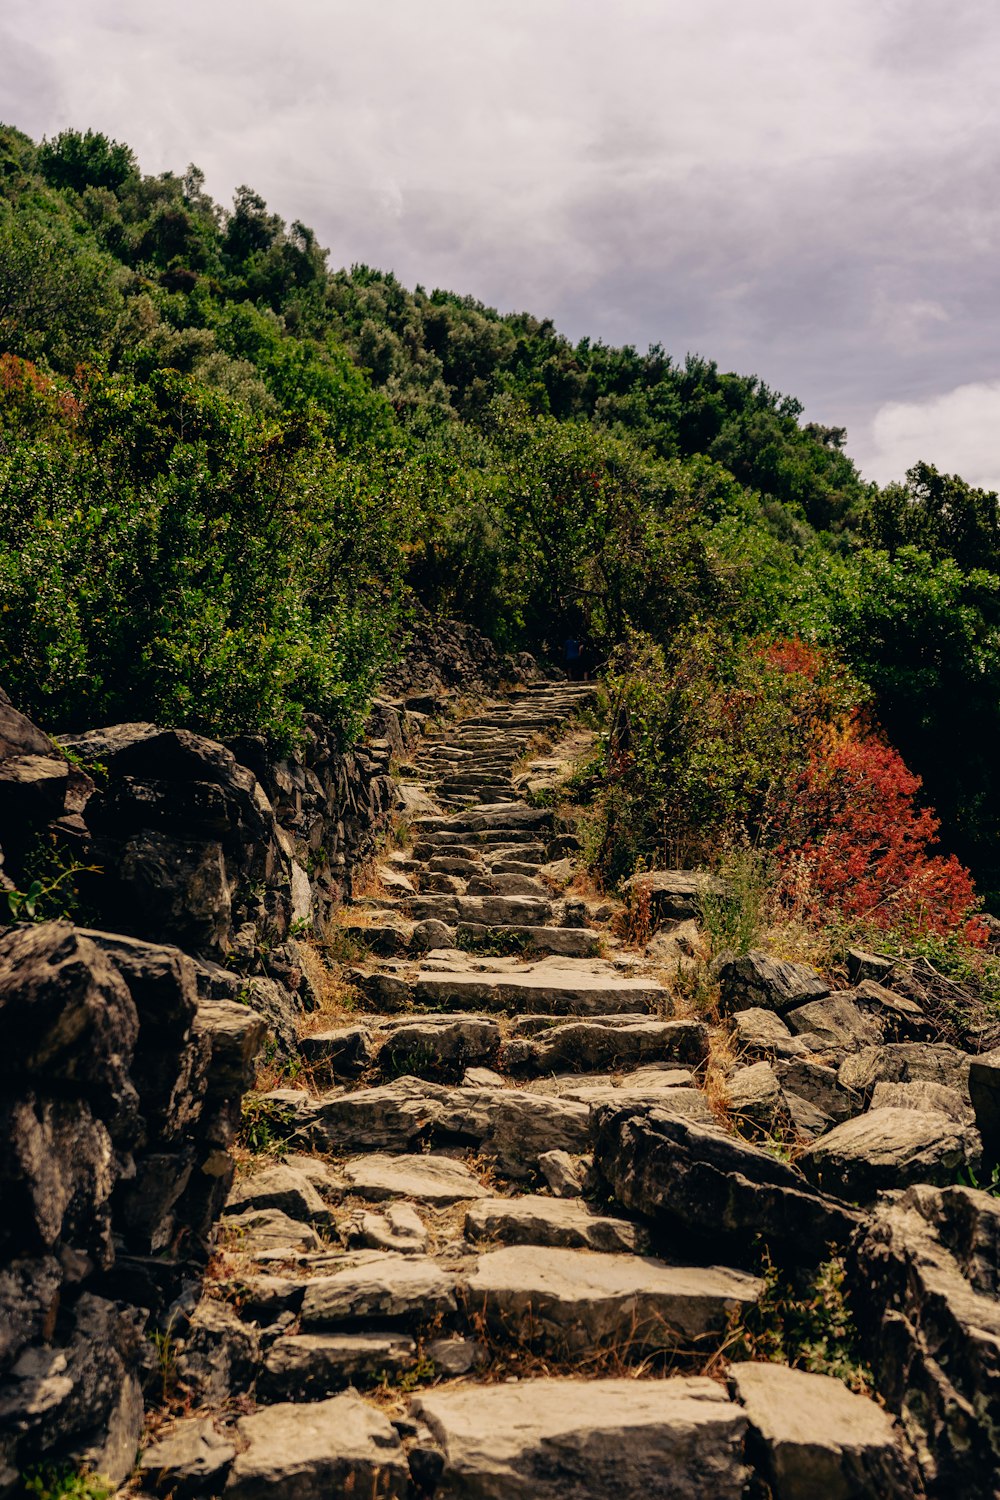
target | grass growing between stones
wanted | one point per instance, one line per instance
(54, 1483)
(805, 1320)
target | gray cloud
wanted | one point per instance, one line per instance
(809, 192)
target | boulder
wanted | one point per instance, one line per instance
(889, 1147)
(762, 1033)
(905, 1062)
(571, 1301)
(926, 1291)
(192, 1460)
(757, 979)
(693, 1179)
(673, 895)
(318, 1449)
(753, 1095)
(813, 1437)
(309, 1366)
(551, 1439)
(984, 1089)
(563, 1222)
(836, 1022)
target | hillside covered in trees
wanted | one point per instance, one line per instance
(227, 472)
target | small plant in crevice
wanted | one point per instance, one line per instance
(52, 1482)
(805, 1320)
(51, 891)
(265, 1126)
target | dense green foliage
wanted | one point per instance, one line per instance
(224, 468)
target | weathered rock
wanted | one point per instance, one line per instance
(429, 1179)
(763, 1033)
(571, 1300)
(820, 1086)
(340, 1052)
(398, 1228)
(886, 1148)
(905, 1062)
(677, 1439)
(924, 1096)
(218, 1354)
(693, 1178)
(673, 895)
(677, 948)
(282, 1186)
(753, 1095)
(439, 1046)
(564, 1174)
(192, 1460)
(316, 1450)
(588, 1046)
(562, 1222)
(837, 1022)
(813, 1437)
(256, 1230)
(927, 1301)
(393, 1288)
(313, 1365)
(984, 1089)
(756, 979)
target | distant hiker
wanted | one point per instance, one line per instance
(573, 658)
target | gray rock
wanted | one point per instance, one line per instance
(567, 1223)
(309, 1366)
(588, 1046)
(676, 1439)
(193, 1459)
(984, 1089)
(258, 1230)
(889, 1148)
(564, 1174)
(392, 1288)
(219, 1354)
(429, 1179)
(837, 1022)
(763, 1033)
(316, 1450)
(694, 1178)
(673, 895)
(398, 1228)
(905, 1062)
(816, 1438)
(287, 1188)
(454, 1356)
(431, 934)
(820, 1086)
(439, 1046)
(754, 1096)
(922, 1095)
(927, 1299)
(340, 1052)
(572, 1300)
(757, 979)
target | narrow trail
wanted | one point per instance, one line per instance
(424, 1295)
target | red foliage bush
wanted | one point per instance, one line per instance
(854, 841)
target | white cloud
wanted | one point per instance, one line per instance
(958, 432)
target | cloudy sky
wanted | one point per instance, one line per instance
(803, 189)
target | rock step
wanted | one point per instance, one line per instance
(488, 911)
(552, 992)
(563, 942)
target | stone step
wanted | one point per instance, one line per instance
(553, 991)
(486, 911)
(566, 1439)
(567, 1223)
(574, 1301)
(566, 942)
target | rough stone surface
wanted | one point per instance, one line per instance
(927, 1299)
(816, 1438)
(570, 1300)
(313, 1365)
(392, 1288)
(677, 1439)
(889, 1147)
(756, 979)
(689, 1177)
(534, 1220)
(316, 1450)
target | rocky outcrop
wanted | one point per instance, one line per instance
(928, 1279)
(119, 1091)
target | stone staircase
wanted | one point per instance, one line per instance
(425, 1296)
